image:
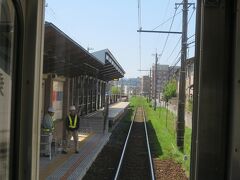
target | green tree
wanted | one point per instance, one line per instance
(115, 90)
(169, 90)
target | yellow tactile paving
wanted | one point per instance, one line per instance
(60, 159)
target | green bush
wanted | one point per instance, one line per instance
(115, 90)
(170, 90)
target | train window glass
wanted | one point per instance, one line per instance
(6, 62)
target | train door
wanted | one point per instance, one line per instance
(21, 52)
(234, 151)
(43, 98)
(7, 31)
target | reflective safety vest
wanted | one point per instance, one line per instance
(47, 129)
(71, 124)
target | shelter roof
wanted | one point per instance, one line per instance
(64, 56)
(112, 69)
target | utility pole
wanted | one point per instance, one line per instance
(150, 78)
(89, 49)
(155, 82)
(151, 31)
(150, 91)
(181, 101)
(168, 32)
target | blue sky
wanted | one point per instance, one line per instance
(113, 24)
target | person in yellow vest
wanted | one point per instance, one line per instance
(72, 126)
(48, 129)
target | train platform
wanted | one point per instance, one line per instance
(94, 122)
(73, 166)
(116, 112)
(91, 141)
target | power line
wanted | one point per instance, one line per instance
(191, 14)
(181, 36)
(177, 58)
(140, 50)
(169, 33)
(140, 27)
(139, 15)
(166, 8)
(160, 57)
(165, 13)
(191, 46)
(191, 42)
(183, 57)
(174, 48)
(191, 36)
(166, 21)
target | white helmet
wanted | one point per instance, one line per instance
(51, 109)
(72, 108)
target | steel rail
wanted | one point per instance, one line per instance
(149, 150)
(124, 149)
(125, 145)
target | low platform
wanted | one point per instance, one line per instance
(92, 140)
(94, 122)
(73, 166)
(115, 110)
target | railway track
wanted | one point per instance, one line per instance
(136, 161)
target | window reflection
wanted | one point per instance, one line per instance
(6, 62)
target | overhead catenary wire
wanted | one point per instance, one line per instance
(170, 18)
(178, 59)
(191, 46)
(166, 10)
(48, 9)
(164, 46)
(170, 28)
(140, 38)
(181, 37)
(191, 15)
(192, 42)
(191, 36)
(175, 47)
(173, 66)
(139, 15)
(140, 51)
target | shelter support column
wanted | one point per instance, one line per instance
(71, 92)
(101, 95)
(97, 94)
(87, 94)
(66, 103)
(48, 93)
(81, 94)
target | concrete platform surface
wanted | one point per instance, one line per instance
(116, 109)
(73, 166)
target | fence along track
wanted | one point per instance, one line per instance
(135, 154)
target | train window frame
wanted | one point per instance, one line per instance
(9, 25)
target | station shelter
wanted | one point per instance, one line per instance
(73, 76)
